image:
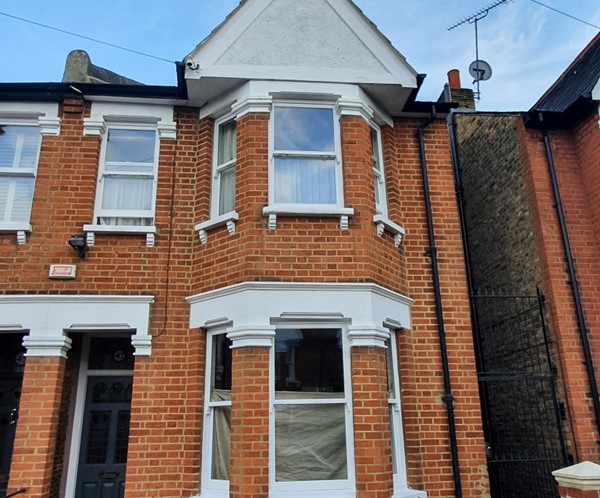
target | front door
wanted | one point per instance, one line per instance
(103, 454)
(12, 362)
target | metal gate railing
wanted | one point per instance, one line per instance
(517, 385)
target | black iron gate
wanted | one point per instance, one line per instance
(517, 384)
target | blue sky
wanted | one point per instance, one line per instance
(527, 45)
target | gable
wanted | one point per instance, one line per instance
(328, 41)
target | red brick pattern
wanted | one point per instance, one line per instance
(34, 448)
(166, 424)
(577, 208)
(249, 465)
(372, 438)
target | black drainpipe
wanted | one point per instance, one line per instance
(447, 397)
(581, 325)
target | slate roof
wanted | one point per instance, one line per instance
(576, 83)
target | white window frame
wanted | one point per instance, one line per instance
(14, 172)
(380, 185)
(219, 168)
(210, 488)
(394, 404)
(99, 212)
(338, 208)
(345, 488)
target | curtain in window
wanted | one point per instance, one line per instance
(221, 435)
(305, 180)
(127, 193)
(227, 190)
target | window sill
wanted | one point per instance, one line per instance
(91, 231)
(228, 219)
(21, 229)
(309, 210)
(384, 224)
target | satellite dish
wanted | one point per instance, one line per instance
(480, 70)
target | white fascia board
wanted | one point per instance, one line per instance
(28, 110)
(254, 304)
(49, 315)
(124, 111)
(331, 75)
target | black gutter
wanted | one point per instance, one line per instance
(55, 92)
(581, 324)
(447, 397)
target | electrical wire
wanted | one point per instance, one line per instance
(86, 37)
(565, 14)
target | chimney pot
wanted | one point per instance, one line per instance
(454, 79)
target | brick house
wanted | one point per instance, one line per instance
(253, 284)
(529, 189)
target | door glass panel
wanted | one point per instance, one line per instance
(98, 432)
(111, 353)
(122, 437)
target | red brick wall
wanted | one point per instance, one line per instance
(578, 212)
(167, 399)
(249, 465)
(372, 438)
(425, 419)
(34, 449)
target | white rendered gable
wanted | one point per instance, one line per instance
(327, 41)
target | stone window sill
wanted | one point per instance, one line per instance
(383, 224)
(308, 210)
(20, 229)
(91, 230)
(228, 219)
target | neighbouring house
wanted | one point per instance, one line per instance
(529, 192)
(251, 284)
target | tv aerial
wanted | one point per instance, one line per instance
(479, 69)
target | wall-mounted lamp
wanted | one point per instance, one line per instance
(79, 243)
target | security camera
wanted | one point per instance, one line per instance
(192, 64)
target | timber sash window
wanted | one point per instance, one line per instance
(312, 423)
(19, 152)
(378, 174)
(306, 160)
(127, 178)
(223, 200)
(218, 412)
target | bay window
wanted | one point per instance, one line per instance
(127, 177)
(306, 166)
(19, 152)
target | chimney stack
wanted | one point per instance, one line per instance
(454, 93)
(454, 79)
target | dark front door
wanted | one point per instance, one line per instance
(103, 454)
(12, 362)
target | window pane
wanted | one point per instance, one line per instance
(304, 129)
(19, 146)
(135, 146)
(127, 193)
(220, 443)
(111, 354)
(226, 142)
(391, 380)
(305, 181)
(16, 195)
(375, 150)
(221, 366)
(310, 442)
(227, 190)
(309, 361)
